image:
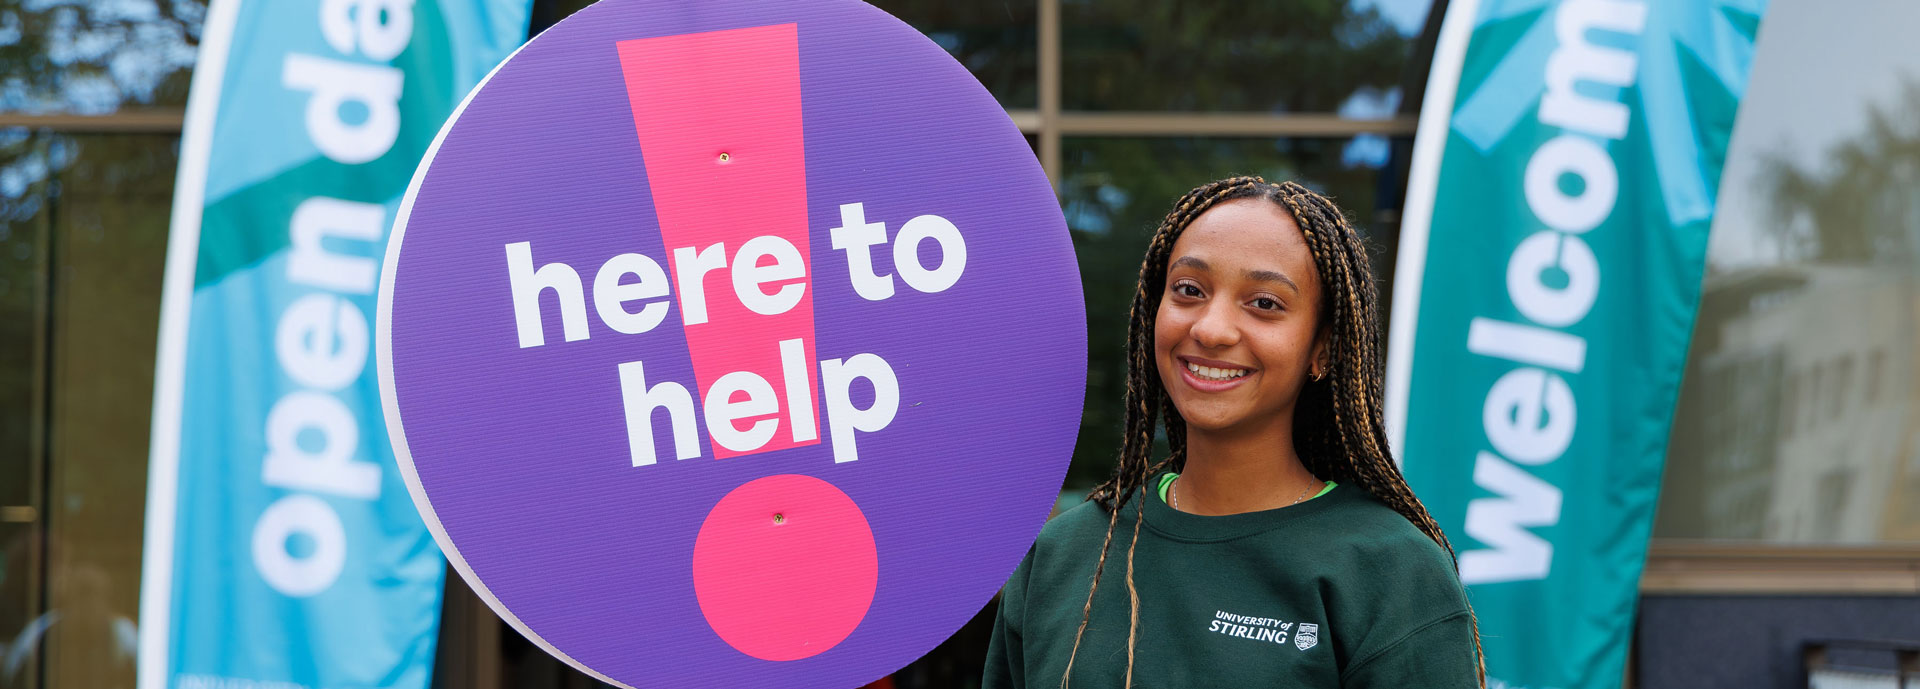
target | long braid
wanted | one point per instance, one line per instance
(1354, 379)
(1133, 594)
(1087, 611)
(1339, 422)
(1144, 401)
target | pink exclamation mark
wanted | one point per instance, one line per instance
(784, 566)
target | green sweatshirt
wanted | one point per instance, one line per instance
(1337, 591)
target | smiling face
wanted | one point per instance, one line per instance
(1237, 330)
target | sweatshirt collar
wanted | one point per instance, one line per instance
(1194, 527)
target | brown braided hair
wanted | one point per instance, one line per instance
(1339, 429)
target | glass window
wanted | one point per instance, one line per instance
(1115, 192)
(94, 58)
(23, 297)
(997, 41)
(1347, 56)
(1797, 415)
(83, 233)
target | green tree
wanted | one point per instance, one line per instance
(1860, 206)
(1295, 56)
(90, 58)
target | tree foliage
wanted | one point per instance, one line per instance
(1861, 208)
(91, 58)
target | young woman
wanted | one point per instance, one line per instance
(1277, 545)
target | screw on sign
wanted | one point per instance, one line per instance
(732, 343)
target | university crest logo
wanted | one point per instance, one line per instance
(1307, 636)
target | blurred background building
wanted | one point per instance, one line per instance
(1791, 507)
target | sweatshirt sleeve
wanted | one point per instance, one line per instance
(1006, 663)
(1437, 654)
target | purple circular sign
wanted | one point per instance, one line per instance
(732, 343)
